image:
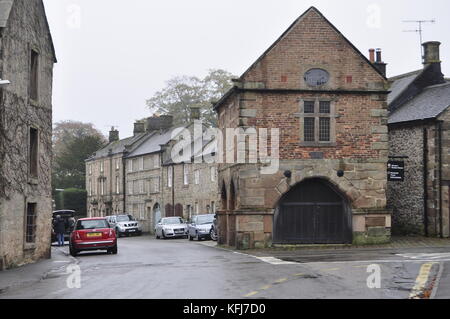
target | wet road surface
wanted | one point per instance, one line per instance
(179, 269)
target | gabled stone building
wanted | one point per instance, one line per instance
(419, 132)
(27, 57)
(329, 103)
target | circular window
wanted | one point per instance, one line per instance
(317, 77)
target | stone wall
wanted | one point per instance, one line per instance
(201, 197)
(26, 29)
(406, 199)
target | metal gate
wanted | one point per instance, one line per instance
(313, 212)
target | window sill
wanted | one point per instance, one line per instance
(33, 102)
(29, 246)
(316, 144)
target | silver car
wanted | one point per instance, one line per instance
(125, 225)
(200, 227)
(171, 227)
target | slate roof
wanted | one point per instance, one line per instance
(400, 83)
(117, 147)
(427, 105)
(152, 144)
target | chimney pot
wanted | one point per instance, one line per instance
(379, 59)
(372, 55)
(379, 64)
(431, 52)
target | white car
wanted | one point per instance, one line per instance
(125, 225)
(171, 227)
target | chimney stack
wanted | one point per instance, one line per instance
(379, 64)
(139, 127)
(157, 123)
(432, 61)
(113, 135)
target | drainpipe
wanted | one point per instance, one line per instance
(425, 179)
(173, 190)
(441, 230)
(124, 186)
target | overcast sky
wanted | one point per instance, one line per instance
(115, 54)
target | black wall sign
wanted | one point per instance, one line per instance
(396, 171)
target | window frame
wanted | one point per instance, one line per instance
(33, 152)
(33, 225)
(317, 119)
(34, 75)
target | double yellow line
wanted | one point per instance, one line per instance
(421, 281)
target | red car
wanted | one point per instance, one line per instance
(93, 234)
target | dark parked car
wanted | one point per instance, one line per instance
(69, 222)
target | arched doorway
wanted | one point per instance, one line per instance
(179, 210)
(169, 212)
(313, 212)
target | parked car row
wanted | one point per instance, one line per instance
(101, 233)
(200, 227)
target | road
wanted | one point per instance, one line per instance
(179, 269)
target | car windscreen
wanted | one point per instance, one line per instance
(92, 224)
(172, 221)
(205, 219)
(124, 218)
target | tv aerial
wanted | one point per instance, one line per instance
(419, 30)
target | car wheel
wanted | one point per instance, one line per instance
(73, 252)
(212, 234)
(118, 233)
(190, 238)
(198, 237)
(113, 250)
(162, 235)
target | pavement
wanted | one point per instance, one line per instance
(146, 268)
(28, 275)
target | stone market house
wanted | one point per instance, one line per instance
(419, 132)
(329, 102)
(27, 57)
